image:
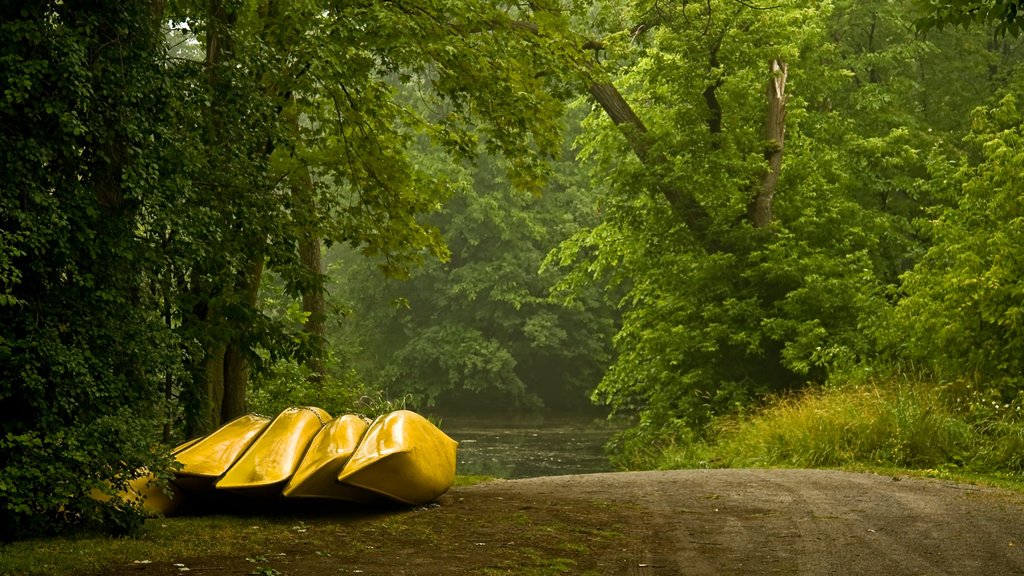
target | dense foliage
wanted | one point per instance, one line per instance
(479, 330)
(1003, 15)
(749, 202)
(723, 313)
(963, 307)
(159, 159)
(82, 156)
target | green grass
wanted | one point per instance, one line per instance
(548, 541)
(162, 540)
(900, 425)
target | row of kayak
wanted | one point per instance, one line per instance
(304, 453)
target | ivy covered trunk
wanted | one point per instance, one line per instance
(225, 290)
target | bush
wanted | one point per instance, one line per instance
(286, 384)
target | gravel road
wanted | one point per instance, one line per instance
(697, 522)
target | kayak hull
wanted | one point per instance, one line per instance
(333, 446)
(206, 459)
(304, 454)
(274, 456)
(404, 457)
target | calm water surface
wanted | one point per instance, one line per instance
(523, 447)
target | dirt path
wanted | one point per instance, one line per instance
(793, 522)
(692, 522)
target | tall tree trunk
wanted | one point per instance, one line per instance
(235, 364)
(760, 208)
(311, 259)
(314, 304)
(168, 317)
(213, 386)
(208, 380)
(236, 383)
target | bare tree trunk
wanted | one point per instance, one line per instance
(622, 114)
(760, 209)
(168, 317)
(236, 383)
(683, 203)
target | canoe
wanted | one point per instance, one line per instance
(272, 458)
(207, 458)
(317, 474)
(403, 456)
(157, 501)
(145, 491)
(399, 456)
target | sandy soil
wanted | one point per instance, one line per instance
(691, 522)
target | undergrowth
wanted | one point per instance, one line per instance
(901, 423)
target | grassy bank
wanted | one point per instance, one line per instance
(896, 424)
(161, 540)
(475, 535)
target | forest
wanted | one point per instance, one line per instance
(779, 233)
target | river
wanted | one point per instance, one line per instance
(528, 446)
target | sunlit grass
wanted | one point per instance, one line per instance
(901, 424)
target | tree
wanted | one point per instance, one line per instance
(323, 157)
(719, 306)
(81, 344)
(961, 314)
(724, 304)
(479, 331)
(150, 190)
(941, 13)
(721, 311)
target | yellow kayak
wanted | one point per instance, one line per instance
(317, 474)
(275, 455)
(403, 456)
(145, 491)
(205, 459)
(157, 501)
(399, 456)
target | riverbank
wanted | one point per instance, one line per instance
(691, 521)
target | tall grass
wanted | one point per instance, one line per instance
(898, 423)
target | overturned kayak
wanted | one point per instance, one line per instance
(275, 454)
(203, 460)
(303, 453)
(403, 456)
(330, 450)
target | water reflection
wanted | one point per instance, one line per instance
(523, 447)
